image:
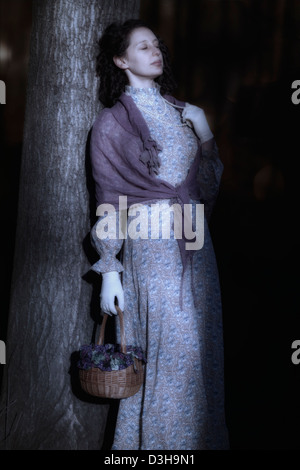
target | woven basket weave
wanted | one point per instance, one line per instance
(117, 383)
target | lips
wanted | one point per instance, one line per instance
(157, 62)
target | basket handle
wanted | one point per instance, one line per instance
(102, 331)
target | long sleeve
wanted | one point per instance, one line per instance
(209, 176)
(109, 247)
(104, 143)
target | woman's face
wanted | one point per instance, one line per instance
(143, 60)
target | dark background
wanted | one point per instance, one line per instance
(237, 59)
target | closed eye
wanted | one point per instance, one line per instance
(145, 47)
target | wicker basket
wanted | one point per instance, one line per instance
(117, 383)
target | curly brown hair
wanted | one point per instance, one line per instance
(114, 42)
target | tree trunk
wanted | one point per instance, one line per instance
(50, 313)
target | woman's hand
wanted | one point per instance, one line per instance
(197, 117)
(111, 288)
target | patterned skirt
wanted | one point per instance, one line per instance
(181, 404)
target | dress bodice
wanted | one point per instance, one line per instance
(177, 140)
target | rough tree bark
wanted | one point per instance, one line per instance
(50, 301)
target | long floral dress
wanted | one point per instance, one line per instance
(181, 405)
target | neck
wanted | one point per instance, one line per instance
(146, 96)
(138, 82)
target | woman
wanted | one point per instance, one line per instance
(158, 153)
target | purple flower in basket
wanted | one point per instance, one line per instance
(108, 357)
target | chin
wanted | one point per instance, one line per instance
(159, 74)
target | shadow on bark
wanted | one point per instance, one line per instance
(95, 281)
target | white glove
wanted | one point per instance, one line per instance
(111, 288)
(197, 117)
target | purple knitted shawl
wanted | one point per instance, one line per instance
(125, 161)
